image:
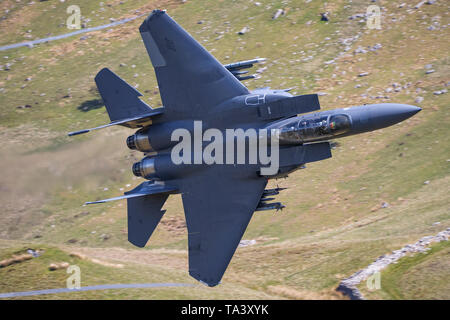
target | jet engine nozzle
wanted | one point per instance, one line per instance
(144, 168)
(139, 141)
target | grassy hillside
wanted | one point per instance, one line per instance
(422, 276)
(334, 223)
(36, 273)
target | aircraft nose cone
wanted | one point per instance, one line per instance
(387, 114)
(407, 110)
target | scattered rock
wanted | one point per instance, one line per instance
(419, 99)
(15, 259)
(34, 253)
(26, 106)
(57, 266)
(243, 31)
(363, 74)
(261, 70)
(357, 16)
(245, 243)
(376, 47)
(429, 71)
(417, 6)
(348, 286)
(105, 237)
(278, 13)
(324, 16)
(360, 50)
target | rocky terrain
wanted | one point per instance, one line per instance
(349, 285)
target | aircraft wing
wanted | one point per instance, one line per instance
(190, 79)
(218, 206)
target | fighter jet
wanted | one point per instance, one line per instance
(219, 198)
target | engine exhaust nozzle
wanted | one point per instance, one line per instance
(139, 141)
(144, 168)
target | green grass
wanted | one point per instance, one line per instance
(34, 274)
(420, 276)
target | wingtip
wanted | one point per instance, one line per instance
(200, 279)
(70, 134)
(94, 202)
(158, 12)
(209, 284)
(154, 14)
(101, 73)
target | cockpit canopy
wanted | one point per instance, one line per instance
(314, 129)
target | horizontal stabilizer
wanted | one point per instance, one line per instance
(289, 107)
(144, 214)
(144, 189)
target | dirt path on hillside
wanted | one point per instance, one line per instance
(169, 258)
